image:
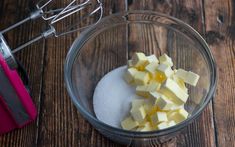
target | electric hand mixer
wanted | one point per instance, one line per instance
(16, 106)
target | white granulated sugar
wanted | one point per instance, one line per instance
(112, 97)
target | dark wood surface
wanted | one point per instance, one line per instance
(60, 124)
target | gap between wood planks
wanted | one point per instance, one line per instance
(43, 73)
(213, 109)
(40, 101)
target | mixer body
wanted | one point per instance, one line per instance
(16, 106)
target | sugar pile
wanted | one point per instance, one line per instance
(112, 97)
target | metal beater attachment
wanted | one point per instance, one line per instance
(61, 21)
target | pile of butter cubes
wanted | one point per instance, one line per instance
(162, 90)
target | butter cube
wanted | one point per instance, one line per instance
(147, 90)
(158, 117)
(192, 78)
(178, 116)
(165, 69)
(188, 77)
(152, 58)
(181, 73)
(151, 68)
(148, 107)
(142, 91)
(137, 103)
(164, 103)
(176, 107)
(154, 95)
(146, 127)
(129, 76)
(138, 114)
(129, 123)
(175, 70)
(172, 90)
(171, 123)
(180, 82)
(162, 125)
(153, 86)
(141, 124)
(139, 59)
(141, 78)
(129, 63)
(153, 110)
(164, 59)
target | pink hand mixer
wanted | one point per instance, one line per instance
(16, 106)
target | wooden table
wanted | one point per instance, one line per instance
(60, 124)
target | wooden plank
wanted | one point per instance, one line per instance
(219, 27)
(190, 12)
(60, 122)
(32, 59)
(220, 34)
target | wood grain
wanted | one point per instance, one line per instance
(220, 34)
(60, 122)
(190, 12)
(201, 130)
(31, 57)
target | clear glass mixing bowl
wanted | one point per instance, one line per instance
(112, 42)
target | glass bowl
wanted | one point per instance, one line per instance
(110, 43)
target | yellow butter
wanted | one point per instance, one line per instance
(171, 123)
(152, 68)
(180, 82)
(172, 90)
(129, 63)
(129, 76)
(192, 78)
(152, 58)
(154, 95)
(141, 68)
(181, 73)
(158, 117)
(176, 107)
(141, 124)
(137, 103)
(148, 108)
(162, 125)
(164, 89)
(146, 127)
(153, 110)
(188, 77)
(153, 86)
(165, 69)
(147, 90)
(141, 78)
(178, 116)
(164, 59)
(139, 59)
(164, 103)
(138, 113)
(142, 90)
(160, 77)
(175, 70)
(129, 123)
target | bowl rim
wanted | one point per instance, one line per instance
(71, 57)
